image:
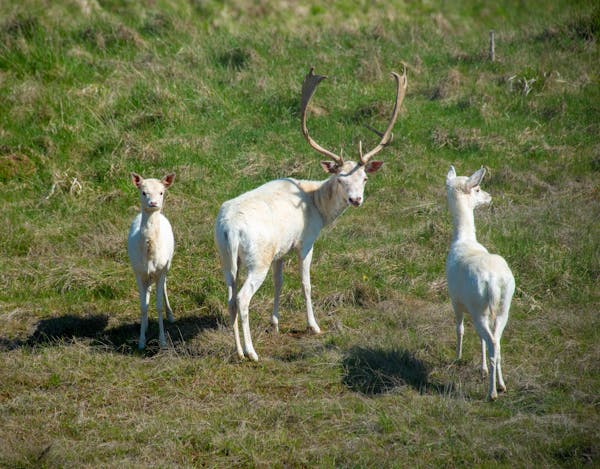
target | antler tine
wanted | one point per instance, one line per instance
(308, 89)
(386, 137)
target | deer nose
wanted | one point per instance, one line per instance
(356, 201)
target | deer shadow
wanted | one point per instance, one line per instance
(63, 328)
(122, 339)
(374, 371)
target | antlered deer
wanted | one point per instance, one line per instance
(479, 283)
(258, 228)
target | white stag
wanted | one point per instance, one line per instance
(479, 283)
(258, 228)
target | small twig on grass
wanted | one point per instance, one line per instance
(43, 453)
(417, 207)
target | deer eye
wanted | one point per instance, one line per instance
(161, 193)
(144, 194)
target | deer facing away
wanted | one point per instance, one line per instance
(258, 228)
(150, 246)
(479, 283)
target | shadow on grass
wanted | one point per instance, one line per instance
(372, 372)
(122, 339)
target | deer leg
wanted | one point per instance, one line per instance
(460, 329)
(306, 288)
(160, 303)
(230, 273)
(232, 306)
(500, 325)
(483, 329)
(484, 366)
(144, 292)
(278, 283)
(170, 316)
(501, 385)
(251, 285)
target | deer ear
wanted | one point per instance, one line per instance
(168, 180)
(330, 167)
(373, 166)
(137, 180)
(451, 174)
(476, 178)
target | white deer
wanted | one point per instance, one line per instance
(258, 228)
(150, 246)
(479, 283)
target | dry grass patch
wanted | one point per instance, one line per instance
(448, 87)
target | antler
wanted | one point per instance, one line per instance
(308, 89)
(386, 137)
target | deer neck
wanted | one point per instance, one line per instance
(464, 223)
(150, 217)
(150, 229)
(330, 201)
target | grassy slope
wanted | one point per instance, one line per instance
(212, 93)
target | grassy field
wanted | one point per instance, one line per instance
(93, 89)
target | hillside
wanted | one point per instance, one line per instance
(91, 90)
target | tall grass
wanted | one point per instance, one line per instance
(91, 90)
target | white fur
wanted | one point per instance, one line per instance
(261, 226)
(479, 283)
(150, 246)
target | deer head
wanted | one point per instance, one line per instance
(466, 191)
(152, 191)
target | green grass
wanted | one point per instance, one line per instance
(90, 91)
